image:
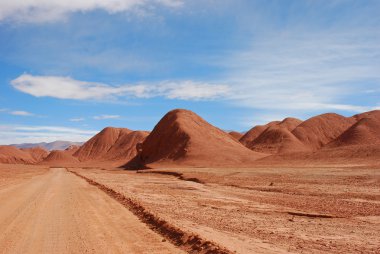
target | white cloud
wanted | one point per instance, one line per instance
(63, 87)
(102, 117)
(189, 90)
(38, 11)
(21, 113)
(303, 71)
(79, 119)
(12, 134)
(68, 88)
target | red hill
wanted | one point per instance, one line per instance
(369, 114)
(125, 147)
(98, 146)
(37, 153)
(275, 138)
(252, 134)
(236, 135)
(289, 123)
(320, 130)
(365, 132)
(111, 144)
(72, 149)
(183, 138)
(59, 157)
(13, 155)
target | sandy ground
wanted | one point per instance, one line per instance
(262, 210)
(53, 211)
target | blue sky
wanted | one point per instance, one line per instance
(70, 68)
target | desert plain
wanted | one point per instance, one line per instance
(261, 210)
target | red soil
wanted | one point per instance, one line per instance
(365, 132)
(236, 135)
(98, 146)
(111, 144)
(125, 147)
(182, 137)
(58, 156)
(13, 155)
(289, 123)
(369, 114)
(37, 153)
(321, 130)
(72, 149)
(277, 138)
(253, 133)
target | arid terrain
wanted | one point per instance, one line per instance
(247, 210)
(262, 210)
(289, 186)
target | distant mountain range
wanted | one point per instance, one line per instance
(56, 145)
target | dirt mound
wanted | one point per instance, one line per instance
(289, 123)
(248, 138)
(183, 138)
(98, 146)
(252, 134)
(59, 156)
(125, 147)
(72, 149)
(365, 132)
(320, 130)
(111, 144)
(276, 139)
(236, 135)
(13, 155)
(37, 153)
(369, 114)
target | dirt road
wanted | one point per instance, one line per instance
(58, 212)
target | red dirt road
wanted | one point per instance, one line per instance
(58, 212)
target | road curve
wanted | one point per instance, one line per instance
(59, 212)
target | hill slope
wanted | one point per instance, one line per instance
(275, 137)
(366, 131)
(111, 144)
(37, 153)
(181, 137)
(13, 155)
(322, 129)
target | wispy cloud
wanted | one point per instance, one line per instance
(103, 117)
(11, 134)
(47, 86)
(79, 119)
(21, 113)
(39, 11)
(298, 70)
